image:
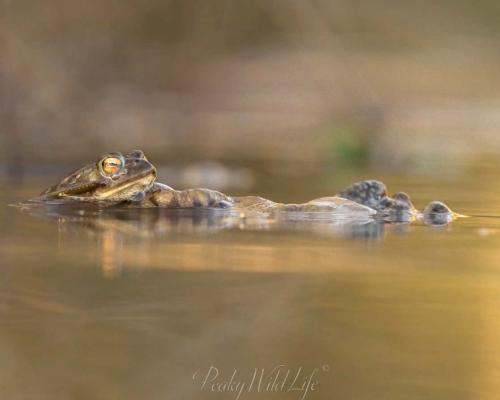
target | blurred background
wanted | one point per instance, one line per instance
(290, 100)
(237, 92)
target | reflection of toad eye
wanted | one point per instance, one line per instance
(111, 165)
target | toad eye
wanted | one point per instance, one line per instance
(111, 165)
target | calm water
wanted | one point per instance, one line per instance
(141, 305)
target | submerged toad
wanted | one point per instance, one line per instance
(131, 179)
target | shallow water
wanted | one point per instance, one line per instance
(141, 305)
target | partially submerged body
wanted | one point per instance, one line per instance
(130, 179)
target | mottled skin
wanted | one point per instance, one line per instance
(161, 195)
(195, 198)
(370, 193)
(130, 179)
(398, 208)
(135, 184)
(91, 184)
(373, 194)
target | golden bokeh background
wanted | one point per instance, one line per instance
(277, 85)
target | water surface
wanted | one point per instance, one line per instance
(133, 305)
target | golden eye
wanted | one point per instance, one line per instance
(111, 165)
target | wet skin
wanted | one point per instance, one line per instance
(399, 207)
(110, 180)
(130, 179)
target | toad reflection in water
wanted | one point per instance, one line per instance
(157, 236)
